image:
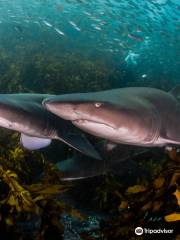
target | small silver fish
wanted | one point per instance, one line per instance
(47, 23)
(144, 75)
(75, 26)
(97, 27)
(87, 13)
(59, 31)
(135, 37)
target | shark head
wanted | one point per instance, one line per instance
(118, 122)
(7, 115)
(25, 114)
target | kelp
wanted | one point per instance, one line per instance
(108, 193)
(26, 164)
(29, 199)
(172, 217)
(31, 187)
(150, 204)
(41, 72)
(136, 189)
(18, 198)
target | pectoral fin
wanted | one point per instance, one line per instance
(34, 143)
(80, 143)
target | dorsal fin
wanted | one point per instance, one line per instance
(176, 91)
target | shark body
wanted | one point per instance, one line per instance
(136, 115)
(24, 113)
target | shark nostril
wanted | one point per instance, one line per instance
(76, 112)
(80, 121)
(45, 103)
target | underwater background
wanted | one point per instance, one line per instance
(66, 46)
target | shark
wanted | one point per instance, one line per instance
(24, 113)
(118, 161)
(140, 116)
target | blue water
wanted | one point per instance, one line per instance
(141, 38)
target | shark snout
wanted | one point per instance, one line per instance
(66, 111)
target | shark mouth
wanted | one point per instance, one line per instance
(84, 122)
(99, 129)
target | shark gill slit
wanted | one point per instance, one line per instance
(155, 128)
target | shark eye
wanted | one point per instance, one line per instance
(97, 104)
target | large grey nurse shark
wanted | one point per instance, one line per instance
(134, 115)
(24, 113)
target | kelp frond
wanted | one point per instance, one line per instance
(143, 204)
(18, 197)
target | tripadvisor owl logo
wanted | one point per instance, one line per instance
(139, 231)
